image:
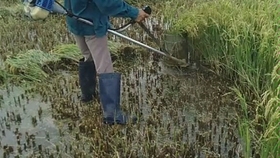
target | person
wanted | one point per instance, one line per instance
(93, 43)
(96, 64)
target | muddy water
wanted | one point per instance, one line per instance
(22, 117)
(182, 114)
(186, 106)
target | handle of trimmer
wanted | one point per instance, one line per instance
(148, 10)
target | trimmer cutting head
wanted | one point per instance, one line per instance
(180, 62)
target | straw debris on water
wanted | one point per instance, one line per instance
(29, 64)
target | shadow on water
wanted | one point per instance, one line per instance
(183, 114)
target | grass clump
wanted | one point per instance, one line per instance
(2, 72)
(239, 40)
(37, 65)
(29, 65)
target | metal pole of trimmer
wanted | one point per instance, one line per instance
(148, 10)
(146, 46)
(136, 42)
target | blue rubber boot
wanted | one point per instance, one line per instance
(87, 80)
(109, 90)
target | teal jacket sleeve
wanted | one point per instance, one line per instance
(117, 8)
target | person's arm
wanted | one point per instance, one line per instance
(117, 8)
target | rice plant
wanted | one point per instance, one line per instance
(239, 40)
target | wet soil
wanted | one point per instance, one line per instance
(182, 114)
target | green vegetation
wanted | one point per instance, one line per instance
(240, 40)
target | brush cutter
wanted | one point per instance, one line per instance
(116, 31)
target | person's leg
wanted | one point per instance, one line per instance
(87, 71)
(100, 54)
(109, 82)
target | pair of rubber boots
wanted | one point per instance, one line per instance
(109, 92)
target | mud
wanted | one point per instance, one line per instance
(182, 113)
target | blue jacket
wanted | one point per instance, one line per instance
(98, 11)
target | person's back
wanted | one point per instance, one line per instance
(98, 12)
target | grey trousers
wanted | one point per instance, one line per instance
(96, 49)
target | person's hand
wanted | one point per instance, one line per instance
(141, 16)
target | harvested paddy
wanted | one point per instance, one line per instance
(183, 114)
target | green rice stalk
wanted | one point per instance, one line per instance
(239, 40)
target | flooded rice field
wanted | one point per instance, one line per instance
(182, 114)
